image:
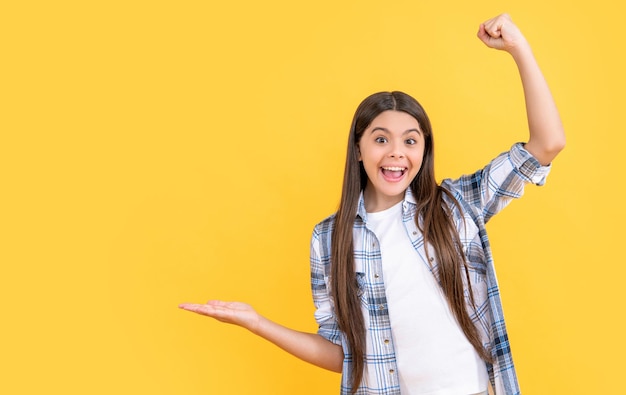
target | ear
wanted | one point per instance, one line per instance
(358, 150)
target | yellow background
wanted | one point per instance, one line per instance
(158, 152)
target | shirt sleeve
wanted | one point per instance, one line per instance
(328, 327)
(527, 165)
(490, 189)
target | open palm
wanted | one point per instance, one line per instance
(236, 313)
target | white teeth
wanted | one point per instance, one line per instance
(394, 168)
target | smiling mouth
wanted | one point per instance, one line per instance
(393, 172)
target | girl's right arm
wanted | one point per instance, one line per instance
(310, 347)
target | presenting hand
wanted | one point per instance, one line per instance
(501, 33)
(310, 347)
(236, 313)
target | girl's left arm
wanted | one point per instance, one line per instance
(547, 137)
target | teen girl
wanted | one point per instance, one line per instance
(402, 275)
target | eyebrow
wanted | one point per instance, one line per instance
(387, 130)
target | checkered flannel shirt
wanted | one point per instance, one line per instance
(481, 195)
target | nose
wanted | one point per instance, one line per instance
(396, 150)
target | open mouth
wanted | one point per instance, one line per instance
(393, 173)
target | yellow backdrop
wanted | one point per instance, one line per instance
(158, 152)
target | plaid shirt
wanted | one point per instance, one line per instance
(481, 195)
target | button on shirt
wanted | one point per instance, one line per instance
(480, 195)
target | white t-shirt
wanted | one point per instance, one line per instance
(434, 357)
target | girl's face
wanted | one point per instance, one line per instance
(391, 149)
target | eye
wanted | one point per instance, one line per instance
(410, 141)
(381, 139)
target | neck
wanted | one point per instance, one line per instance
(375, 202)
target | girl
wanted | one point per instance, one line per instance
(402, 275)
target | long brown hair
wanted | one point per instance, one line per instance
(437, 227)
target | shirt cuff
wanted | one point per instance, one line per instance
(527, 165)
(331, 334)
